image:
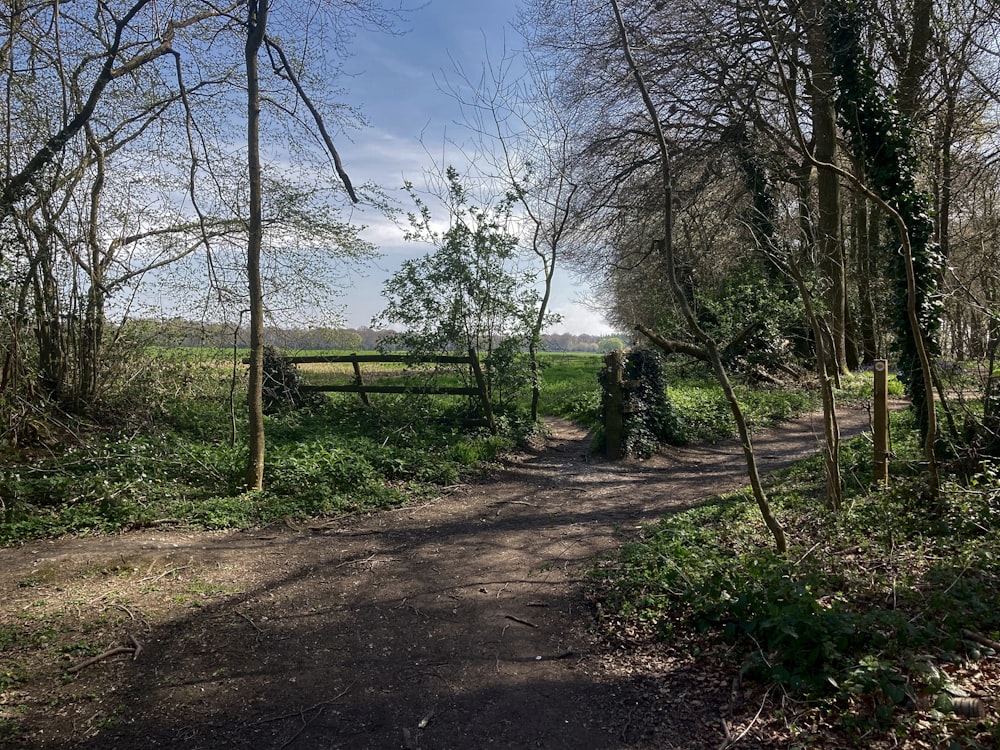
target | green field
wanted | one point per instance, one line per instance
(181, 462)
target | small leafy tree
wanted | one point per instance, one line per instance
(610, 344)
(468, 293)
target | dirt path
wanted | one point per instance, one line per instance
(456, 624)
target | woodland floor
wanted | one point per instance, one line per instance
(460, 623)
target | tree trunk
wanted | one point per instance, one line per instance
(256, 26)
(824, 122)
(865, 278)
(772, 523)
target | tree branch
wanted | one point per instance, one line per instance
(285, 70)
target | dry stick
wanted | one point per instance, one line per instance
(100, 657)
(163, 574)
(252, 623)
(305, 725)
(300, 712)
(349, 562)
(730, 743)
(523, 622)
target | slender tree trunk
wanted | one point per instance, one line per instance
(824, 121)
(864, 277)
(92, 332)
(549, 265)
(256, 27)
(706, 341)
(831, 425)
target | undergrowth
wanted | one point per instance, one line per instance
(184, 468)
(866, 618)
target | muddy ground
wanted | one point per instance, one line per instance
(459, 623)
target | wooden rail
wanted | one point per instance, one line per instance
(363, 389)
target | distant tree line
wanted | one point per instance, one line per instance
(179, 332)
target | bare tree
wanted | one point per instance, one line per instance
(527, 147)
(696, 329)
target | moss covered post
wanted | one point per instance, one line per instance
(614, 405)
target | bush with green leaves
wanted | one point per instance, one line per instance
(468, 293)
(650, 417)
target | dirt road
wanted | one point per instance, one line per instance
(455, 624)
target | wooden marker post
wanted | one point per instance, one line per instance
(880, 424)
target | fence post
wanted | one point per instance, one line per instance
(614, 406)
(358, 381)
(880, 424)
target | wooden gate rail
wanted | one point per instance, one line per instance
(363, 390)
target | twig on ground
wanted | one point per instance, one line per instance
(252, 623)
(523, 622)
(124, 609)
(164, 574)
(303, 711)
(100, 657)
(371, 557)
(749, 726)
(305, 725)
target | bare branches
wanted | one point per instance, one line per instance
(285, 71)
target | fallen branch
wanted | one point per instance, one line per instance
(100, 657)
(981, 639)
(523, 622)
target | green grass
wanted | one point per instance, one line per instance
(864, 617)
(179, 465)
(569, 386)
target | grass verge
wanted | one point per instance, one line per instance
(873, 627)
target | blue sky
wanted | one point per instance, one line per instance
(396, 82)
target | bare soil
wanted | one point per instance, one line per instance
(459, 623)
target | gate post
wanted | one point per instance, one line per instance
(614, 406)
(484, 394)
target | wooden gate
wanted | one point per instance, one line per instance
(363, 389)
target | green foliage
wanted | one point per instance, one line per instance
(756, 320)
(467, 294)
(650, 417)
(866, 613)
(338, 457)
(610, 344)
(181, 467)
(882, 140)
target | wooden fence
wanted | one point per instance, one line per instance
(363, 389)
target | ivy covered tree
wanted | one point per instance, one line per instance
(468, 293)
(882, 141)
